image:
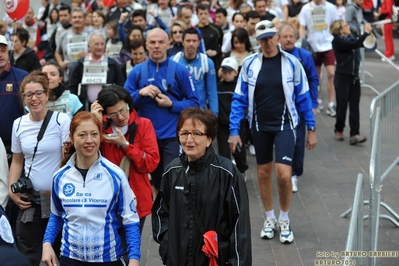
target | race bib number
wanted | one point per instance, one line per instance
(61, 105)
(95, 73)
(114, 50)
(74, 50)
(32, 35)
(319, 19)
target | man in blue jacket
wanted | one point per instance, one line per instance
(288, 37)
(273, 86)
(11, 106)
(201, 68)
(161, 89)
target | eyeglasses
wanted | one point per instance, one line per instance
(263, 26)
(177, 31)
(28, 95)
(121, 112)
(195, 134)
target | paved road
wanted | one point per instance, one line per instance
(325, 191)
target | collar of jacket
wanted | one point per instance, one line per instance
(283, 53)
(201, 163)
(57, 92)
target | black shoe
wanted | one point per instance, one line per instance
(357, 139)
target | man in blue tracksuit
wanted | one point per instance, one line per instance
(161, 89)
(288, 36)
(201, 68)
(273, 86)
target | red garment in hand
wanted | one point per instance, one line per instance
(210, 247)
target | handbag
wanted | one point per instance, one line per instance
(223, 246)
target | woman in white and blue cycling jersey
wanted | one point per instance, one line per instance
(90, 196)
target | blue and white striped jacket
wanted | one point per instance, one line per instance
(87, 211)
(295, 85)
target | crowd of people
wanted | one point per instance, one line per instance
(111, 114)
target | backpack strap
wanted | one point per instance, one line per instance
(170, 75)
(40, 136)
(144, 75)
(171, 10)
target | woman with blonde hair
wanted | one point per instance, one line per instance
(346, 80)
(176, 37)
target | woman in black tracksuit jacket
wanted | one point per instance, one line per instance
(346, 80)
(216, 191)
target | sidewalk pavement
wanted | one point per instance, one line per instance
(325, 191)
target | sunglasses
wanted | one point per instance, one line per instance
(263, 26)
(176, 32)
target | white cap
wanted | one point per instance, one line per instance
(3, 40)
(265, 29)
(230, 63)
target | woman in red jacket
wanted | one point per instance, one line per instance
(128, 141)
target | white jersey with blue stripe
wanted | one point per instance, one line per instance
(89, 211)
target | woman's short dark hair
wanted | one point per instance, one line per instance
(137, 44)
(205, 116)
(128, 43)
(112, 94)
(22, 34)
(53, 62)
(237, 14)
(243, 37)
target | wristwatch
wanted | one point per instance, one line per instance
(313, 129)
(125, 145)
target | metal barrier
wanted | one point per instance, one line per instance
(384, 128)
(363, 73)
(388, 130)
(354, 242)
(384, 125)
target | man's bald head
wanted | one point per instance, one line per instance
(157, 45)
(157, 32)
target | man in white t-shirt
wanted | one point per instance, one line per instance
(315, 18)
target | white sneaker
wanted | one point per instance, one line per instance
(286, 235)
(269, 226)
(320, 108)
(331, 111)
(294, 183)
(252, 150)
(390, 58)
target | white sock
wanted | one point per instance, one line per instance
(283, 216)
(295, 176)
(331, 104)
(270, 215)
(319, 101)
